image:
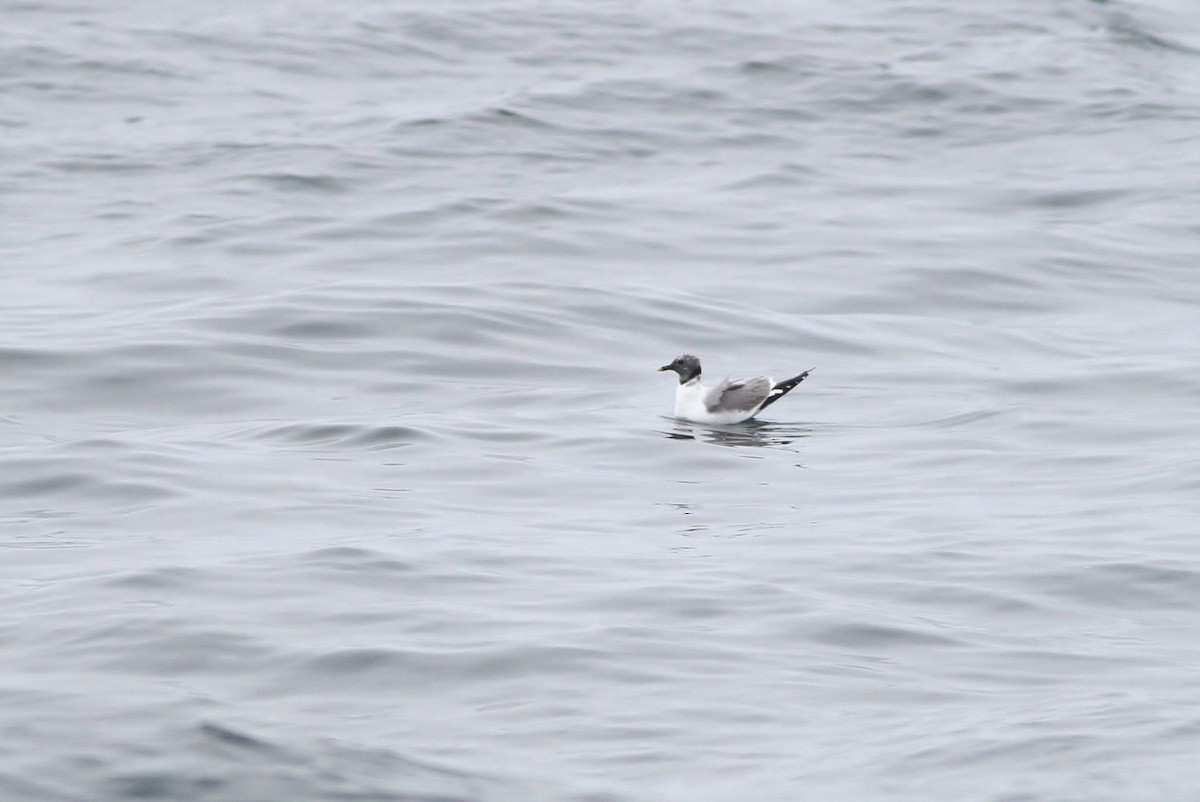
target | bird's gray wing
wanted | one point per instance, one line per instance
(738, 396)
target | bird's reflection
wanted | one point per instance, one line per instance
(753, 433)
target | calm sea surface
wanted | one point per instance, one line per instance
(334, 465)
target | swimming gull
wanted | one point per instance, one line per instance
(728, 402)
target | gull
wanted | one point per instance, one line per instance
(728, 402)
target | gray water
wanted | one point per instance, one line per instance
(335, 465)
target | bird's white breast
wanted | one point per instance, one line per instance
(689, 401)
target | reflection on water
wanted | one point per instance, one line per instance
(753, 433)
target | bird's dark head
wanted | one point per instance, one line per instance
(686, 365)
